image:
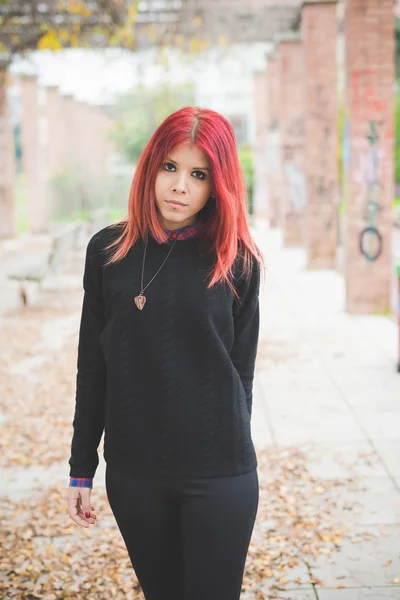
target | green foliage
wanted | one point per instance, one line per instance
(139, 113)
(246, 161)
(397, 33)
(397, 135)
(56, 24)
(77, 195)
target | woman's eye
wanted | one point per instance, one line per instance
(168, 166)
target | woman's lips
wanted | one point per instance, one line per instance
(175, 203)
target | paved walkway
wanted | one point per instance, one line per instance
(325, 381)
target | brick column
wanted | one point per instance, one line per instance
(260, 190)
(56, 132)
(319, 33)
(68, 105)
(293, 139)
(370, 78)
(274, 141)
(56, 144)
(7, 163)
(34, 157)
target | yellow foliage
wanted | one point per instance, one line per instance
(223, 41)
(132, 12)
(179, 40)
(74, 7)
(124, 35)
(74, 41)
(49, 41)
(64, 35)
(198, 45)
(197, 21)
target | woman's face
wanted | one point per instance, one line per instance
(184, 178)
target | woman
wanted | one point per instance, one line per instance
(166, 355)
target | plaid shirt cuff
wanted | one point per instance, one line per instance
(80, 482)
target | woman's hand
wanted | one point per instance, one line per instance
(79, 507)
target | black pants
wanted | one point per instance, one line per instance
(187, 539)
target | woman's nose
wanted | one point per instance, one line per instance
(180, 184)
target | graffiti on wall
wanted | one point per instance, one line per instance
(370, 164)
(370, 175)
(363, 89)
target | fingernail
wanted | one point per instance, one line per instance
(87, 515)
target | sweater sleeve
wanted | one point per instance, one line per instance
(246, 315)
(88, 422)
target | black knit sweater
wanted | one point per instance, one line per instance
(170, 385)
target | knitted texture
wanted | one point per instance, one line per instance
(182, 233)
(171, 385)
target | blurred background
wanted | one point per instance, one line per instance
(311, 90)
(315, 109)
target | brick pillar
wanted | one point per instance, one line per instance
(68, 105)
(319, 33)
(7, 163)
(260, 191)
(34, 156)
(274, 141)
(56, 145)
(293, 140)
(370, 78)
(56, 132)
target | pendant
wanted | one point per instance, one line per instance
(140, 301)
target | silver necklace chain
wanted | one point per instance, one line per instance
(154, 276)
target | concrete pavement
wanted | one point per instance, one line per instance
(327, 381)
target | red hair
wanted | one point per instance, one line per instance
(226, 231)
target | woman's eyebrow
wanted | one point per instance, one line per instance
(194, 168)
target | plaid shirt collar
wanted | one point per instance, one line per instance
(184, 233)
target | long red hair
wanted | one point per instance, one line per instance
(226, 231)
